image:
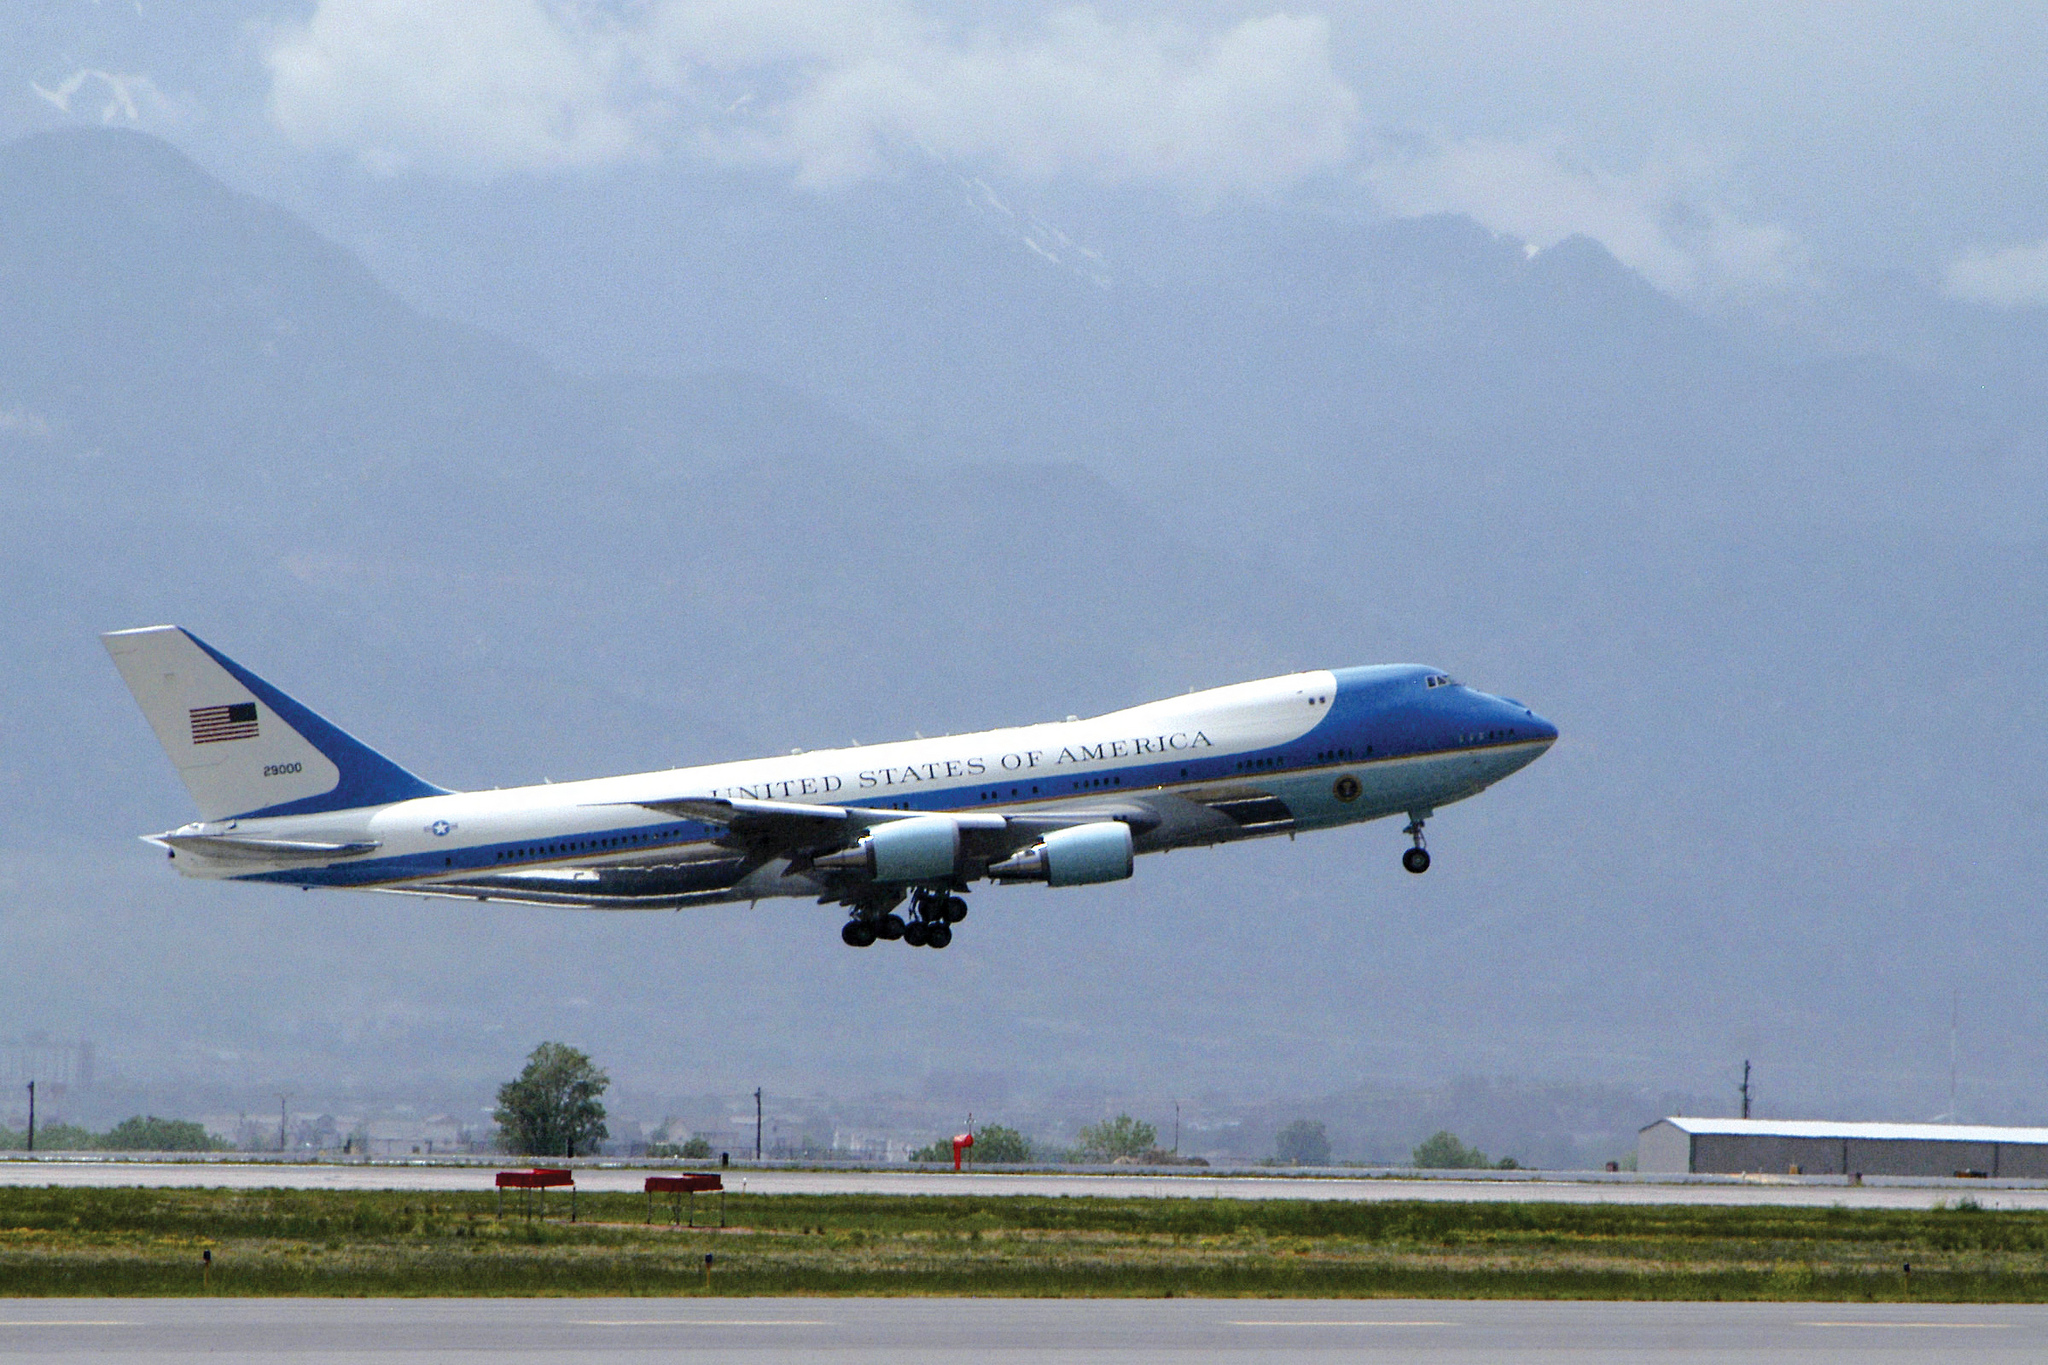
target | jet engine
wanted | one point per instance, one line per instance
(925, 848)
(1077, 856)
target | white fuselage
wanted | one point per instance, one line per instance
(1302, 751)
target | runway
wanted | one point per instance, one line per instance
(759, 1331)
(1812, 1191)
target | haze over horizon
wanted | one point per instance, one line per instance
(545, 391)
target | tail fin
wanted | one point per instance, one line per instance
(243, 747)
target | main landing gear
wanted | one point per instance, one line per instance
(932, 917)
(1416, 859)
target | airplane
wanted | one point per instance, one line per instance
(286, 797)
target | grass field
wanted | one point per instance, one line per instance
(274, 1242)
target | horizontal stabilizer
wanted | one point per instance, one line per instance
(262, 850)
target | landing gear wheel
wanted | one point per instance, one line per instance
(917, 933)
(1416, 859)
(937, 935)
(890, 927)
(953, 909)
(857, 933)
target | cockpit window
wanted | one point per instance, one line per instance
(1441, 680)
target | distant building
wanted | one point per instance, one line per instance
(857, 1144)
(627, 1137)
(56, 1067)
(1678, 1146)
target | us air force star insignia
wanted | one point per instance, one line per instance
(1346, 788)
(439, 828)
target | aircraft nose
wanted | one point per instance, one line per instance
(1525, 722)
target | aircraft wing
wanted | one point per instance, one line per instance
(788, 819)
(789, 828)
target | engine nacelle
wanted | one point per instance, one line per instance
(1077, 856)
(925, 848)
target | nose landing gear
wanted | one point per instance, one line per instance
(1416, 859)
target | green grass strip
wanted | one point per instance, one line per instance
(342, 1243)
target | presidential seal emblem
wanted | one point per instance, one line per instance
(1346, 788)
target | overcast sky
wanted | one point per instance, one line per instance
(1708, 145)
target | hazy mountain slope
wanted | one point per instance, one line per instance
(1412, 357)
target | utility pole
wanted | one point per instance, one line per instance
(1955, 1005)
(283, 1137)
(1176, 1127)
(1745, 1087)
(757, 1123)
(31, 1116)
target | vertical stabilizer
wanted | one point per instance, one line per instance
(242, 747)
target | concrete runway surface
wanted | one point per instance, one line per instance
(758, 1331)
(425, 1177)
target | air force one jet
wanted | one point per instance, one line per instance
(893, 832)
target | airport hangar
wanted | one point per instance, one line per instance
(1687, 1146)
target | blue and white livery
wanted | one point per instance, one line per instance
(893, 832)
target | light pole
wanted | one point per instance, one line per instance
(283, 1106)
(757, 1123)
(31, 1116)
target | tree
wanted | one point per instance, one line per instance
(152, 1134)
(1120, 1136)
(997, 1144)
(993, 1143)
(694, 1149)
(1304, 1143)
(1442, 1151)
(63, 1137)
(553, 1108)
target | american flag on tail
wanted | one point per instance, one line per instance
(212, 724)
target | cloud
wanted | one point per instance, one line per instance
(1666, 222)
(826, 89)
(127, 96)
(835, 91)
(1254, 108)
(2014, 277)
(483, 85)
